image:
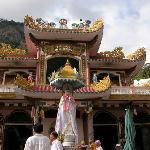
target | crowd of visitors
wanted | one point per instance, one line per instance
(40, 142)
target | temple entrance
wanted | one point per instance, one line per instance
(18, 127)
(105, 130)
(142, 124)
(16, 135)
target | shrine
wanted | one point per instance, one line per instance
(63, 81)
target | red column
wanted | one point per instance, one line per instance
(37, 79)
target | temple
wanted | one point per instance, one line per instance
(31, 81)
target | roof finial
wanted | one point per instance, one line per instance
(67, 62)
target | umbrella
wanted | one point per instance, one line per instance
(130, 131)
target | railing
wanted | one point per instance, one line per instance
(7, 88)
(130, 90)
(114, 90)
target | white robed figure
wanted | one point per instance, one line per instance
(66, 116)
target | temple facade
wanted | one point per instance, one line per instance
(26, 91)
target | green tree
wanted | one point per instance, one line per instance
(144, 73)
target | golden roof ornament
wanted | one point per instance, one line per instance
(67, 71)
(139, 54)
(67, 75)
(82, 27)
(101, 85)
(7, 50)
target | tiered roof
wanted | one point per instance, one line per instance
(36, 30)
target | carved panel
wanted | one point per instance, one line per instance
(64, 48)
(42, 69)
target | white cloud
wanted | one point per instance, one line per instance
(126, 22)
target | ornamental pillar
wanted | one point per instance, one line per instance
(87, 74)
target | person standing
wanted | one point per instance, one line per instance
(98, 145)
(38, 141)
(56, 144)
(92, 145)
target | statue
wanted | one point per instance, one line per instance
(30, 79)
(63, 24)
(66, 80)
(66, 117)
(94, 78)
(49, 79)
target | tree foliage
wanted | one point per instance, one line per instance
(12, 33)
(144, 73)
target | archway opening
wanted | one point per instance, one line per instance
(10, 76)
(113, 78)
(54, 64)
(105, 129)
(142, 124)
(18, 127)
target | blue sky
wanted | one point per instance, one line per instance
(126, 22)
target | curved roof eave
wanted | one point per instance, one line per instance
(93, 38)
(118, 64)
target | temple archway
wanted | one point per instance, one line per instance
(142, 124)
(18, 127)
(105, 129)
(9, 76)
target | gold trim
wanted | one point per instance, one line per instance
(116, 53)
(7, 50)
(42, 70)
(83, 64)
(23, 82)
(102, 85)
(127, 97)
(139, 54)
(64, 49)
(7, 95)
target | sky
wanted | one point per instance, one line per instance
(126, 22)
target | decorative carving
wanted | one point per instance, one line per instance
(65, 49)
(44, 26)
(42, 69)
(66, 72)
(63, 24)
(116, 53)
(7, 95)
(139, 54)
(83, 66)
(23, 82)
(7, 50)
(96, 25)
(102, 85)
